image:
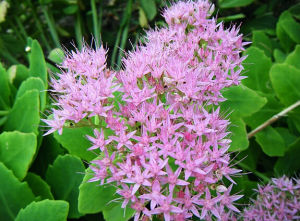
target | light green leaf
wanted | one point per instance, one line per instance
(142, 18)
(14, 194)
(290, 26)
(94, 198)
(34, 83)
(25, 116)
(37, 67)
(64, 178)
(286, 80)
(294, 58)
(46, 210)
(234, 3)
(238, 135)
(39, 186)
(271, 142)
(17, 74)
(75, 141)
(56, 55)
(279, 55)
(17, 150)
(262, 41)
(149, 8)
(258, 66)
(4, 89)
(287, 30)
(116, 213)
(242, 101)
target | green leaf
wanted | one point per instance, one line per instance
(34, 83)
(56, 55)
(71, 9)
(279, 56)
(231, 17)
(4, 89)
(14, 194)
(17, 150)
(46, 210)
(272, 107)
(25, 116)
(271, 142)
(48, 152)
(238, 135)
(39, 186)
(234, 3)
(257, 65)
(287, 30)
(149, 8)
(286, 80)
(262, 41)
(142, 18)
(242, 101)
(116, 213)
(290, 26)
(288, 137)
(94, 198)
(75, 141)
(17, 74)
(294, 58)
(37, 67)
(289, 164)
(64, 178)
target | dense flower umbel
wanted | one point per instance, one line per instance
(278, 200)
(168, 151)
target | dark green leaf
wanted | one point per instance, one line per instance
(257, 65)
(33, 83)
(271, 142)
(272, 107)
(48, 152)
(290, 26)
(39, 186)
(37, 62)
(94, 198)
(289, 164)
(17, 150)
(25, 116)
(242, 101)
(149, 8)
(64, 178)
(286, 80)
(234, 3)
(75, 141)
(288, 137)
(14, 194)
(4, 89)
(238, 135)
(46, 210)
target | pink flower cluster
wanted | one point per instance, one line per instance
(278, 200)
(168, 153)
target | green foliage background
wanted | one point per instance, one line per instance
(45, 178)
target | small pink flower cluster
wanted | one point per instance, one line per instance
(82, 89)
(168, 152)
(278, 200)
